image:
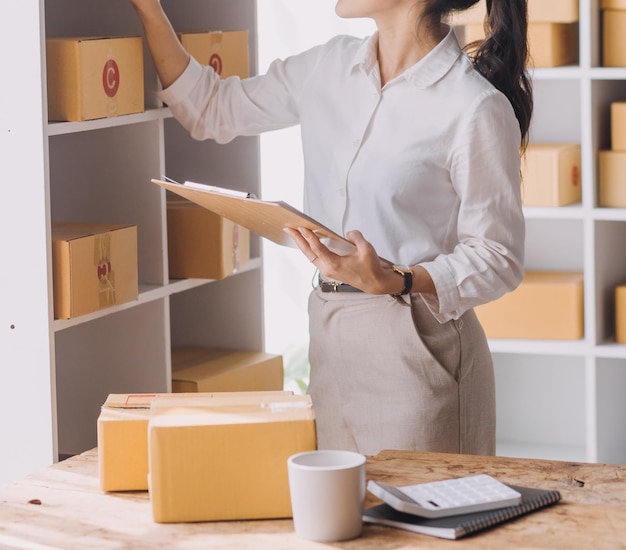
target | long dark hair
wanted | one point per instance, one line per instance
(502, 56)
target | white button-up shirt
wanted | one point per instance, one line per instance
(426, 167)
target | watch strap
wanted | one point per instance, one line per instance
(407, 274)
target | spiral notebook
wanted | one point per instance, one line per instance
(455, 527)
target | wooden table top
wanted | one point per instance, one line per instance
(62, 507)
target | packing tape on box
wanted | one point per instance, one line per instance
(104, 270)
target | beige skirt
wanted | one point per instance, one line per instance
(385, 374)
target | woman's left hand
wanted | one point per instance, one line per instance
(361, 268)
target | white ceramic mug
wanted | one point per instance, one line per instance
(327, 489)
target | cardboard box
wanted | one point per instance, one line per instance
(198, 369)
(226, 461)
(611, 182)
(225, 51)
(613, 34)
(618, 126)
(94, 266)
(123, 432)
(91, 78)
(548, 305)
(620, 314)
(549, 44)
(539, 11)
(203, 245)
(551, 174)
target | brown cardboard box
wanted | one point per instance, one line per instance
(225, 51)
(226, 461)
(620, 314)
(91, 78)
(611, 182)
(202, 244)
(549, 44)
(551, 174)
(618, 126)
(123, 432)
(198, 369)
(539, 11)
(94, 266)
(548, 305)
(613, 33)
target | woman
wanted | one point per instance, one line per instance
(412, 151)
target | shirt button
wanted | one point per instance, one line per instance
(356, 142)
(342, 191)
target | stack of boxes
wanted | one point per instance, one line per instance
(552, 30)
(205, 456)
(612, 163)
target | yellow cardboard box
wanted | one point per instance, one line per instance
(618, 126)
(94, 77)
(613, 33)
(620, 314)
(203, 245)
(225, 51)
(549, 44)
(227, 461)
(122, 429)
(94, 266)
(551, 174)
(547, 305)
(202, 369)
(539, 11)
(611, 183)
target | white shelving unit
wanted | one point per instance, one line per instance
(57, 373)
(565, 400)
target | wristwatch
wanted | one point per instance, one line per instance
(407, 274)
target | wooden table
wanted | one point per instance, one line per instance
(62, 507)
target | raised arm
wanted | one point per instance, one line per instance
(168, 54)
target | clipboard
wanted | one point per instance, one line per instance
(265, 218)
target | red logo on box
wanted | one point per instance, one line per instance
(103, 270)
(110, 78)
(216, 63)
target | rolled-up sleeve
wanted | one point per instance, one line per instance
(488, 260)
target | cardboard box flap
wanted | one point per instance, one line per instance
(82, 38)
(188, 362)
(69, 231)
(231, 414)
(146, 400)
(249, 400)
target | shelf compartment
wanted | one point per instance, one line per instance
(611, 408)
(223, 314)
(541, 406)
(123, 353)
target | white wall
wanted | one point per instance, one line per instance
(287, 27)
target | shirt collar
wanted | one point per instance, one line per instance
(425, 72)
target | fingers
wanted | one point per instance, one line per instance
(305, 240)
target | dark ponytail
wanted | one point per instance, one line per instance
(502, 56)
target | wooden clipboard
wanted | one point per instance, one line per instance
(265, 218)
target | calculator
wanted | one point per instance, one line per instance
(449, 497)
